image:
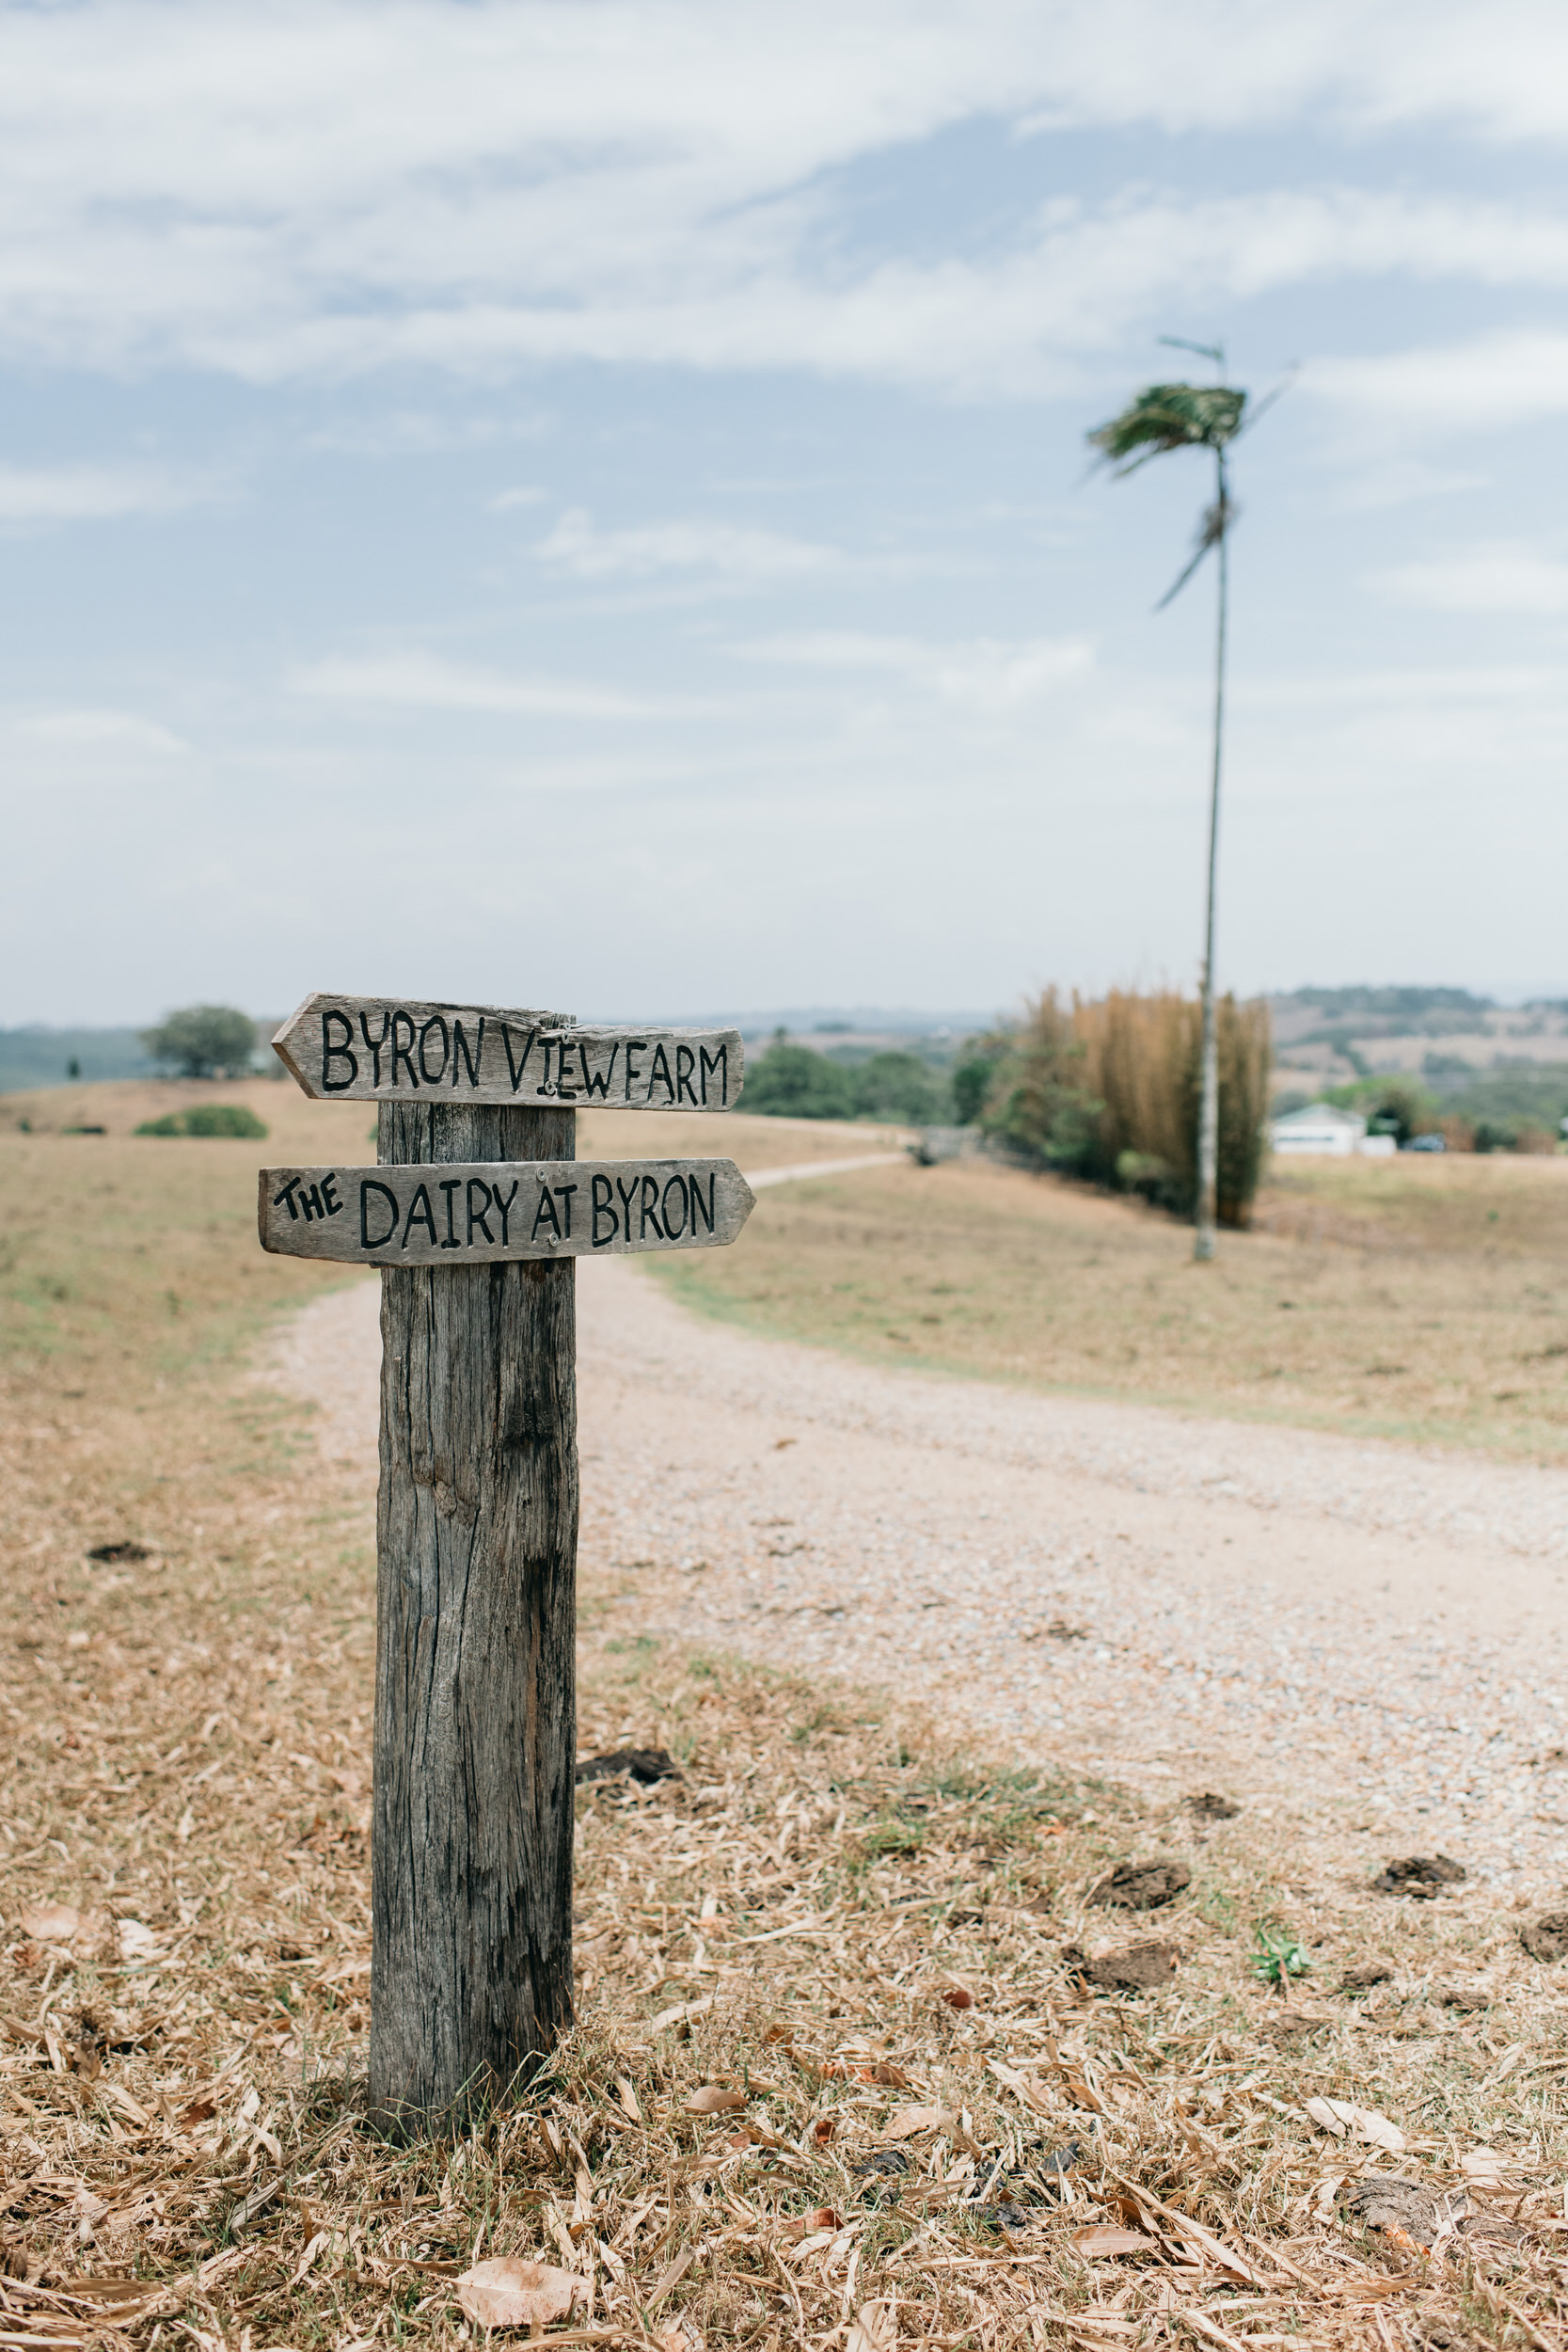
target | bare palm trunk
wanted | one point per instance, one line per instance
(1209, 1105)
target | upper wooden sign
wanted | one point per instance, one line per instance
(372, 1048)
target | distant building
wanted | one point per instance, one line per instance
(1323, 1128)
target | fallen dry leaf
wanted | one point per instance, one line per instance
(681, 2335)
(1103, 2239)
(957, 1997)
(872, 2329)
(711, 2100)
(511, 2294)
(51, 1923)
(819, 2217)
(904, 2122)
(1346, 2121)
(1483, 2167)
(136, 1942)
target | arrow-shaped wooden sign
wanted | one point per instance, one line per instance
(374, 1048)
(453, 1213)
(475, 1211)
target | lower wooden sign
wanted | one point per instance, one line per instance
(477, 1212)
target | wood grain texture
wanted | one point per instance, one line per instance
(475, 1213)
(374, 1048)
(475, 1704)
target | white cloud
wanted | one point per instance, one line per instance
(346, 186)
(984, 674)
(33, 496)
(420, 680)
(1494, 381)
(639, 553)
(91, 730)
(523, 494)
(1497, 578)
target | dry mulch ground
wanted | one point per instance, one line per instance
(843, 2073)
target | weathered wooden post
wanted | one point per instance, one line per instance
(476, 1233)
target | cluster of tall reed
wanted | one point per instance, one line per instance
(1108, 1089)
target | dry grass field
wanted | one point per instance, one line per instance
(1424, 1299)
(840, 2078)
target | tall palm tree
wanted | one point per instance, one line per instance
(1192, 416)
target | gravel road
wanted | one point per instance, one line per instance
(1364, 1637)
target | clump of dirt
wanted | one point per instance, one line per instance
(1141, 1885)
(1421, 1876)
(124, 1550)
(1469, 1999)
(1546, 1938)
(644, 1765)
(1210, 1807)
(1365, 1974)
(1141, 1968)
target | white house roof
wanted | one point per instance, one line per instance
(1323, 1115)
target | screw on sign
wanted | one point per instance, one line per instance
(475, 1213)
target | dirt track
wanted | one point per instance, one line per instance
(1364, 1635)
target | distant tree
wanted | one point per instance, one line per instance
(203, 1040)
(796, 1082)
(74, 1067)
(1165, 416)
(1390, 1106)
(975, 1075)
(899, 1086)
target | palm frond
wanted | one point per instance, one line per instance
(1169, 415)
(1216, 521)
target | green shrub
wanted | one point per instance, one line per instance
(976, 1074)
(207, 1119)
(899, 1086)
(795, 1081)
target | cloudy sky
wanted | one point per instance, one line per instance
(557, 501)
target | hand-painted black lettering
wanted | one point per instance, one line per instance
(460, 1047)
(329, 1196)
(374, 1044)
(634, 1045)
(287, 1197)
(377, 1241)
(592, 1083)
(505, 1207)
(420, 1213)
(564, 1194)
(545, 1214)
(686, 1062)
(718, 1062)
(480, 1215)
(603, 1196)
(433, 1077)
(674, 1230)
(629, 1194)
(700, 1209)
(545, 1084)
(659, 1077)
(516, 1069)
(310, 1202)
(343, 1051)
(650, 1209)
(448, 1185)
(401, 1044)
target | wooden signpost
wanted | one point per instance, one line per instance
(475, 1214)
